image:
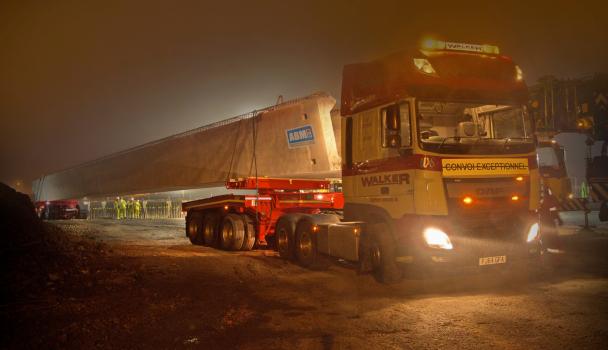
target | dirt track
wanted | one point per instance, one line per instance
(155, 290)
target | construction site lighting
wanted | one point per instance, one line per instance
(467, 200)
(584, 123)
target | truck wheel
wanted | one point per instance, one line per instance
(210, 230)
(249, 240)
(285, 233)
(194, 228)
(382, 255)
(232, 232)
(306, 244)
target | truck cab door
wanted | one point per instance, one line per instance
(381, 145)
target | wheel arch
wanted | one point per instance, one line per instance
(370, 214)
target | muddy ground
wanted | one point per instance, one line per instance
(142, 285)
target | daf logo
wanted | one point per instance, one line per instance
(489, 191)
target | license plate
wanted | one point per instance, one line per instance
(493, 260)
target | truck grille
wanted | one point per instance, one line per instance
(493, 218)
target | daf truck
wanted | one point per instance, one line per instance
(439, 170)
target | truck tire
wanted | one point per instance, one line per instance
(194, 228)
(382, 251)
(306, 244)
(232, 233)
(285, 233)
(250, 235)
(210, 229)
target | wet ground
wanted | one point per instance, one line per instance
(151, 289)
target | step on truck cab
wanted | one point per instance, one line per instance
(439, 164)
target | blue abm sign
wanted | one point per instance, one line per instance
(300, 136)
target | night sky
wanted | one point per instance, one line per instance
(82, 79)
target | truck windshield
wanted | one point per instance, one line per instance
(469, 128)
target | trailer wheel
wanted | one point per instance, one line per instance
(232, 232)
(306, 244)
(285, 233)
(249, 240)
(194, 228)
(382, 255)
(239, 233)
(210, 229)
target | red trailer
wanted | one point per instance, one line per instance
(240, 221)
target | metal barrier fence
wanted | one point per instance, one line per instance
(147, 210)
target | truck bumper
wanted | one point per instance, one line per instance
(492, 248)
(473, 256)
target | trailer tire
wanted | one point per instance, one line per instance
(239, 233)
(232, 232)
(382, 255)
(250, 235)
(285, 233)
(210, 229)
(194, 228)
(306, 244)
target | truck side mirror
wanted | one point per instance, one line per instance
(391, 127)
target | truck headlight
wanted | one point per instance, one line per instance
(533, 232)
(435, 238)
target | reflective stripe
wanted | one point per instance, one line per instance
(573, 204)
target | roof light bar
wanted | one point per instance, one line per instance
(431, 44)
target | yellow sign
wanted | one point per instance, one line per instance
(484, 166)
